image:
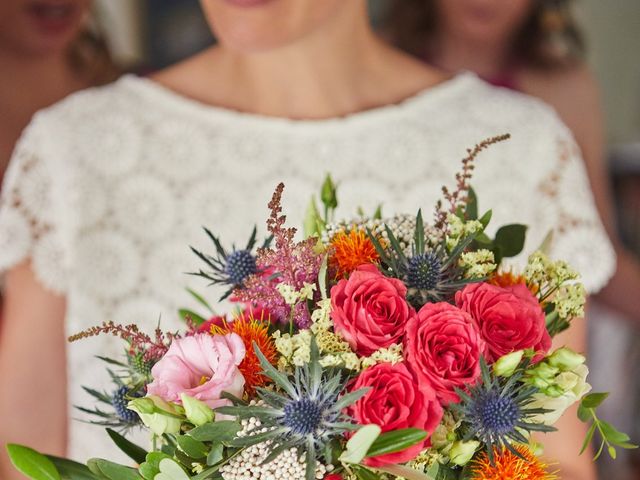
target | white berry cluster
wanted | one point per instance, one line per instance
(247, 465)
(402, 227)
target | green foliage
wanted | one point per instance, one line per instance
(31, 463)
(396, 441)
(112, 471)
(133, 451)
(360, 443)
(610, 437)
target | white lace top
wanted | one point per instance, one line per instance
(109, 188)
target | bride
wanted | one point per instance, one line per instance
(107, 189)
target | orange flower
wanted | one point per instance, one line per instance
(350, 250)
(508, 279)
(251, 330)
(507, 466)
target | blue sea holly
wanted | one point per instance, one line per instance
(229, 268)
(431, 272)
(305, 412)
(497, 411)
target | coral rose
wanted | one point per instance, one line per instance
(369, 310)
(510, 318)
(442, 348)
(201, 366)
(395, 401)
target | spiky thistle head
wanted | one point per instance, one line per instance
(496, 411)
(430, 272)
(306, 411)
(229, 268)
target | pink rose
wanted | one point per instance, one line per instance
(369, 310)
(201, 366)
(510, 318)
(395, 401)
(442, 348)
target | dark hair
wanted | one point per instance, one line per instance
(549, 37)
(90, 57)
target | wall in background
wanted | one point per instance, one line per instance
(613, 35)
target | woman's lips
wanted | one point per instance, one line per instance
(53, 17)
(247, 3)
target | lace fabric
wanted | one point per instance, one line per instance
(108, 189)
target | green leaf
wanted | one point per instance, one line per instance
(584, 414)
(151, 466)
(200, 299)
(31, 463)
(215, 454)
(363, 473)
(360, 443)
(193, 316)
(588, 438)
(114, 471)
(70, 470)
(192, 447)
(486, 218)
(612, 434)
(510, 239)
(471, 211)
(170, 470)
(221, 431)
(133, 451)
(396, 441)
(593, 400)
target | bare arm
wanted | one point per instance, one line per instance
(33, 386)
(562, 448)
(576, 97)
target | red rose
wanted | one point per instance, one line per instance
(510, 318)
(395, 401)
(369, 310)
(442, 348)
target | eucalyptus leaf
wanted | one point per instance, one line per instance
(170, 470)
(215, 454)
(220, 431)
(192, 447)
(114, 471)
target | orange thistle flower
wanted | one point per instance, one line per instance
(508, 466)
(251, 330)
(350, 250)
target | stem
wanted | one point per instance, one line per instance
(405, 472)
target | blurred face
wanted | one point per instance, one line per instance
(40, 27)
(261, 25)
(484, 20)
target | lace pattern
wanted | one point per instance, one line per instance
(108, 189)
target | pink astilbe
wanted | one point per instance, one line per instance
(152, 349)
(289, 262)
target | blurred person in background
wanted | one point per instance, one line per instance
(107, 189)
(535, 47)
(47, 51)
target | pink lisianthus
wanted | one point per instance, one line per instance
(510, 318)
(443, 347)
(395, 401)
(369, 310)
(201, 366)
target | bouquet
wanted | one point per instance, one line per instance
(374, 348)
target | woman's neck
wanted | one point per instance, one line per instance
(454, 54)
(340, 69)
(34, 82)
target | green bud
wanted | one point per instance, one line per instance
(313, 223)
(197, 412)
(507, 364)
(328, 193)
(565, 359)
(156, 414)
(545, 371)
(462, 452)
